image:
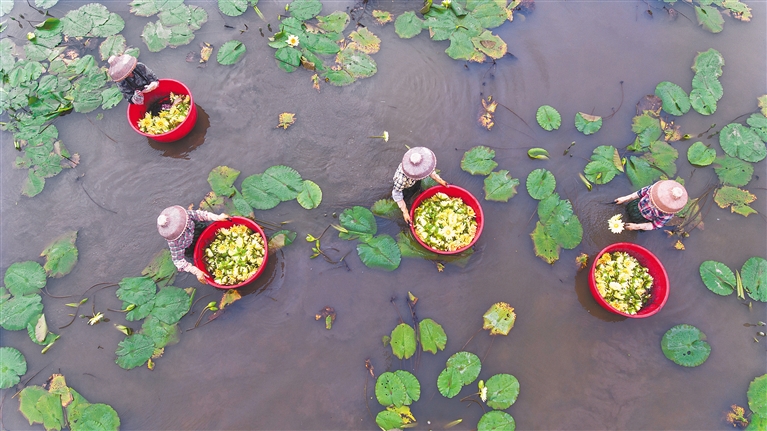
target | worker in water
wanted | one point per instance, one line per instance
(653, 206)
(177, 226)
(133, 79)
(417, 164)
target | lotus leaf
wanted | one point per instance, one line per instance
(382, 17)
(412, 385)
(161, 333)
(95, 417)
(26, 277)
(708, 62)
(685, 345)
(735, 198)
(37, 329)
(28, 399)
(708, 84)
(545, 246)
(156, 36)
(380, 252)
(433, 337)
(339, 78)
(568, 232)
(358, 64)
(304, 9)
(18, 311)
(479, 161)
(502, 391)
(288, 58)
(758, 123)
(283, 182)
(137, 290)
(389, 420)
(171, 304)
(319, 44)
(25, 71)
(134, 351)
(47, 407)
(754, 273)
(77, 23)
(702, 102)
(490, 44)
(757, 396)
(110, 97)
(221, 180)
(710, 18)
(441, 23)
(403, 342)
(180, 35)
(364, 40)
(281, 239)
(144, 7)
(6, 7)
(548, 118)
(409, 247)
(742, 142)
(700, 155)
(408, 25)
(587, 124)
(33, 185)
(499, 186)
(496, 420)
(12, 367)
(233, 7)
(241, 206)
(467, 364)
(717, 277)
(336, 22)
(230, 52)
(499, 318)
(490, 14)
(390, 390)
(449, 382)
(386, 208)
(310, 195)
(732, 171)
(358, 221)
(675, 100)
(255, 192)
(7, 59)
(605, 164)
(115, 24)
(180, 14)
(553, 207)
(642, 172)
(36, 52)
(540, 183)
(61, 255)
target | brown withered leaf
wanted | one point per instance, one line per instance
(650, 103)
(328, 314)
(582, 260)
(229, 297)
(488, 108)
(286, 120)
(316, 82)
(679, 245)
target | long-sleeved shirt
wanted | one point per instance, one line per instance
(401, 182)
(141, 77)
(178, 245)
(657, 217)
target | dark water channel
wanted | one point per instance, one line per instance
(267, 364)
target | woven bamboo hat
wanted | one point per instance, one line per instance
(668, 196)
(172, 221)
(419, 162)
(120, 66)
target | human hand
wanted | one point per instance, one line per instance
(407, 218)
(444, 183)
(623, 199)
(151, 86)
(199, 274)
(224, 216)
(138, 98)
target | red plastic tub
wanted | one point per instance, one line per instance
(660, 287)
(209, 234)
(453, 192)
(167, 86)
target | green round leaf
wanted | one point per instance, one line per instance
(283, 182)
(221, 180)
(499, 318)
(197, 17)
(757, 395)
(156, 36)
(544, 245)
(12, 367)
(605, 164)
(757, 423)
(76, 23)
(61, 255)
(412, 385)
(339, 78)
(389, 420)
(685, 345)
(230, 52)
(179, 15)
(449, 382)
(112, 26)
(489, 14)
(709, 62)
(113, 45)
(710, 18)
(735, 198)
(403, 341)
(390, 390)
(540, 183)
(180, 35)
(288, 58)
(587, 124)
(733, 172)
(37, 329)
(496, 421)
(754, 278)
(304, 9)
(233, 7)
(499, 186)
(758, 123)
(408, 25)
(134, 351)
(255, 192)
(548, 118)
(17, 312)
(358, 221)
(502, 391)
(479, 161)
(24, 277)
(33, 185)
(742, 142)
(171, 304)
(432, 336)
(95, 417)
(137, 290)
(386, 208)
(675, 100)
(467, 364)
(380, 252)
(357, 63)
(700, 155)
(717, 277)
(490, 44)
(365, 40)
(461, 46)
(310, 195)
(336, 22)
(6, 7)
(568, 232)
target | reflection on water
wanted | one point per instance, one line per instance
(180, 149)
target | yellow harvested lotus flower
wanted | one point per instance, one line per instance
(615, 224)
(145, 122)
(168, 118)
(293, 40)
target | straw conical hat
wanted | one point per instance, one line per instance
(668, 196)
(121, 66)
(419, 162)
(172, 221)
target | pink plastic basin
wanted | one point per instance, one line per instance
(207, 236)
(660, 287)
(453, 192)
(167, 86)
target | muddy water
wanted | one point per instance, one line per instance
(267, 364)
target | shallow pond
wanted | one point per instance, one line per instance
(266, 363)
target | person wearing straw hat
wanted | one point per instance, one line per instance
(417, 164)
(133, 78)
(176, 225)
(653, 206)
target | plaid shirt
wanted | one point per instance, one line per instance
(178, 245)
(657, 217)
(401, 182)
